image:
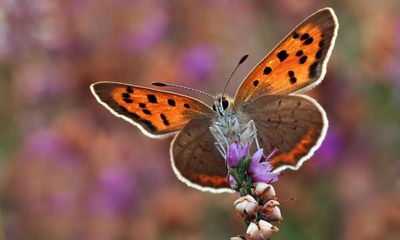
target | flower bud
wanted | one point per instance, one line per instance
(264, 191)
(261, 230)
(246, 205)
(267, 229)
(253, 232)
(272, 203)
(271, 211)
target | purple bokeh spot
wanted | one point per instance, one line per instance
(114, 192)
(198, 63)
(149, 33)
(328, 154)
(48, 145)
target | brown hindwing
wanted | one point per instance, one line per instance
(195, 159)
(294, 124)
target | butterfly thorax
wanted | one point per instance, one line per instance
(228, 127)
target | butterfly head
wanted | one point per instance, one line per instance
(221, 104)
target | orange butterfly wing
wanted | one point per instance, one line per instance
(298, 62)
(157, 113)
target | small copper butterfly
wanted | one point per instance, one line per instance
(269, 96)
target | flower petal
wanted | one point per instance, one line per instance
(233, 158)
(255, 160)
(253, 232)
(257, 155)
(266, 229)
(231, 181)
(246, 206)
(243, 151)
(271, 154)
(267, 177)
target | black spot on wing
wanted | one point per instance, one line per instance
(152, 98)
(126, 97)
(129, 89)
(142, 105)
(304, 36)
(127, 100)
(303, 59)
(146, 111)
(186, 105)
(308, 41)
(137, 118)
(164, 118)
(171, 102)
(255, 83)
(282, 55)
(292, 78)
(267, 70)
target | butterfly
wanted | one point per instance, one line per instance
(269, 96)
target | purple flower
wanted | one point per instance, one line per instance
(260, 169)
(231, 180)
(235, 153)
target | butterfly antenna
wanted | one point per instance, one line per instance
(234, 70)
(160, 84)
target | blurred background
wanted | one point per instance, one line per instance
(71, 170)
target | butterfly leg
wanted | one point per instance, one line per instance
(253, 125)
(222, 134)
(219, 136)
(257, 144)
(249, 133)
(220, 149)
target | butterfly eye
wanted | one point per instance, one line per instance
(213, 107)
(225, 104)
